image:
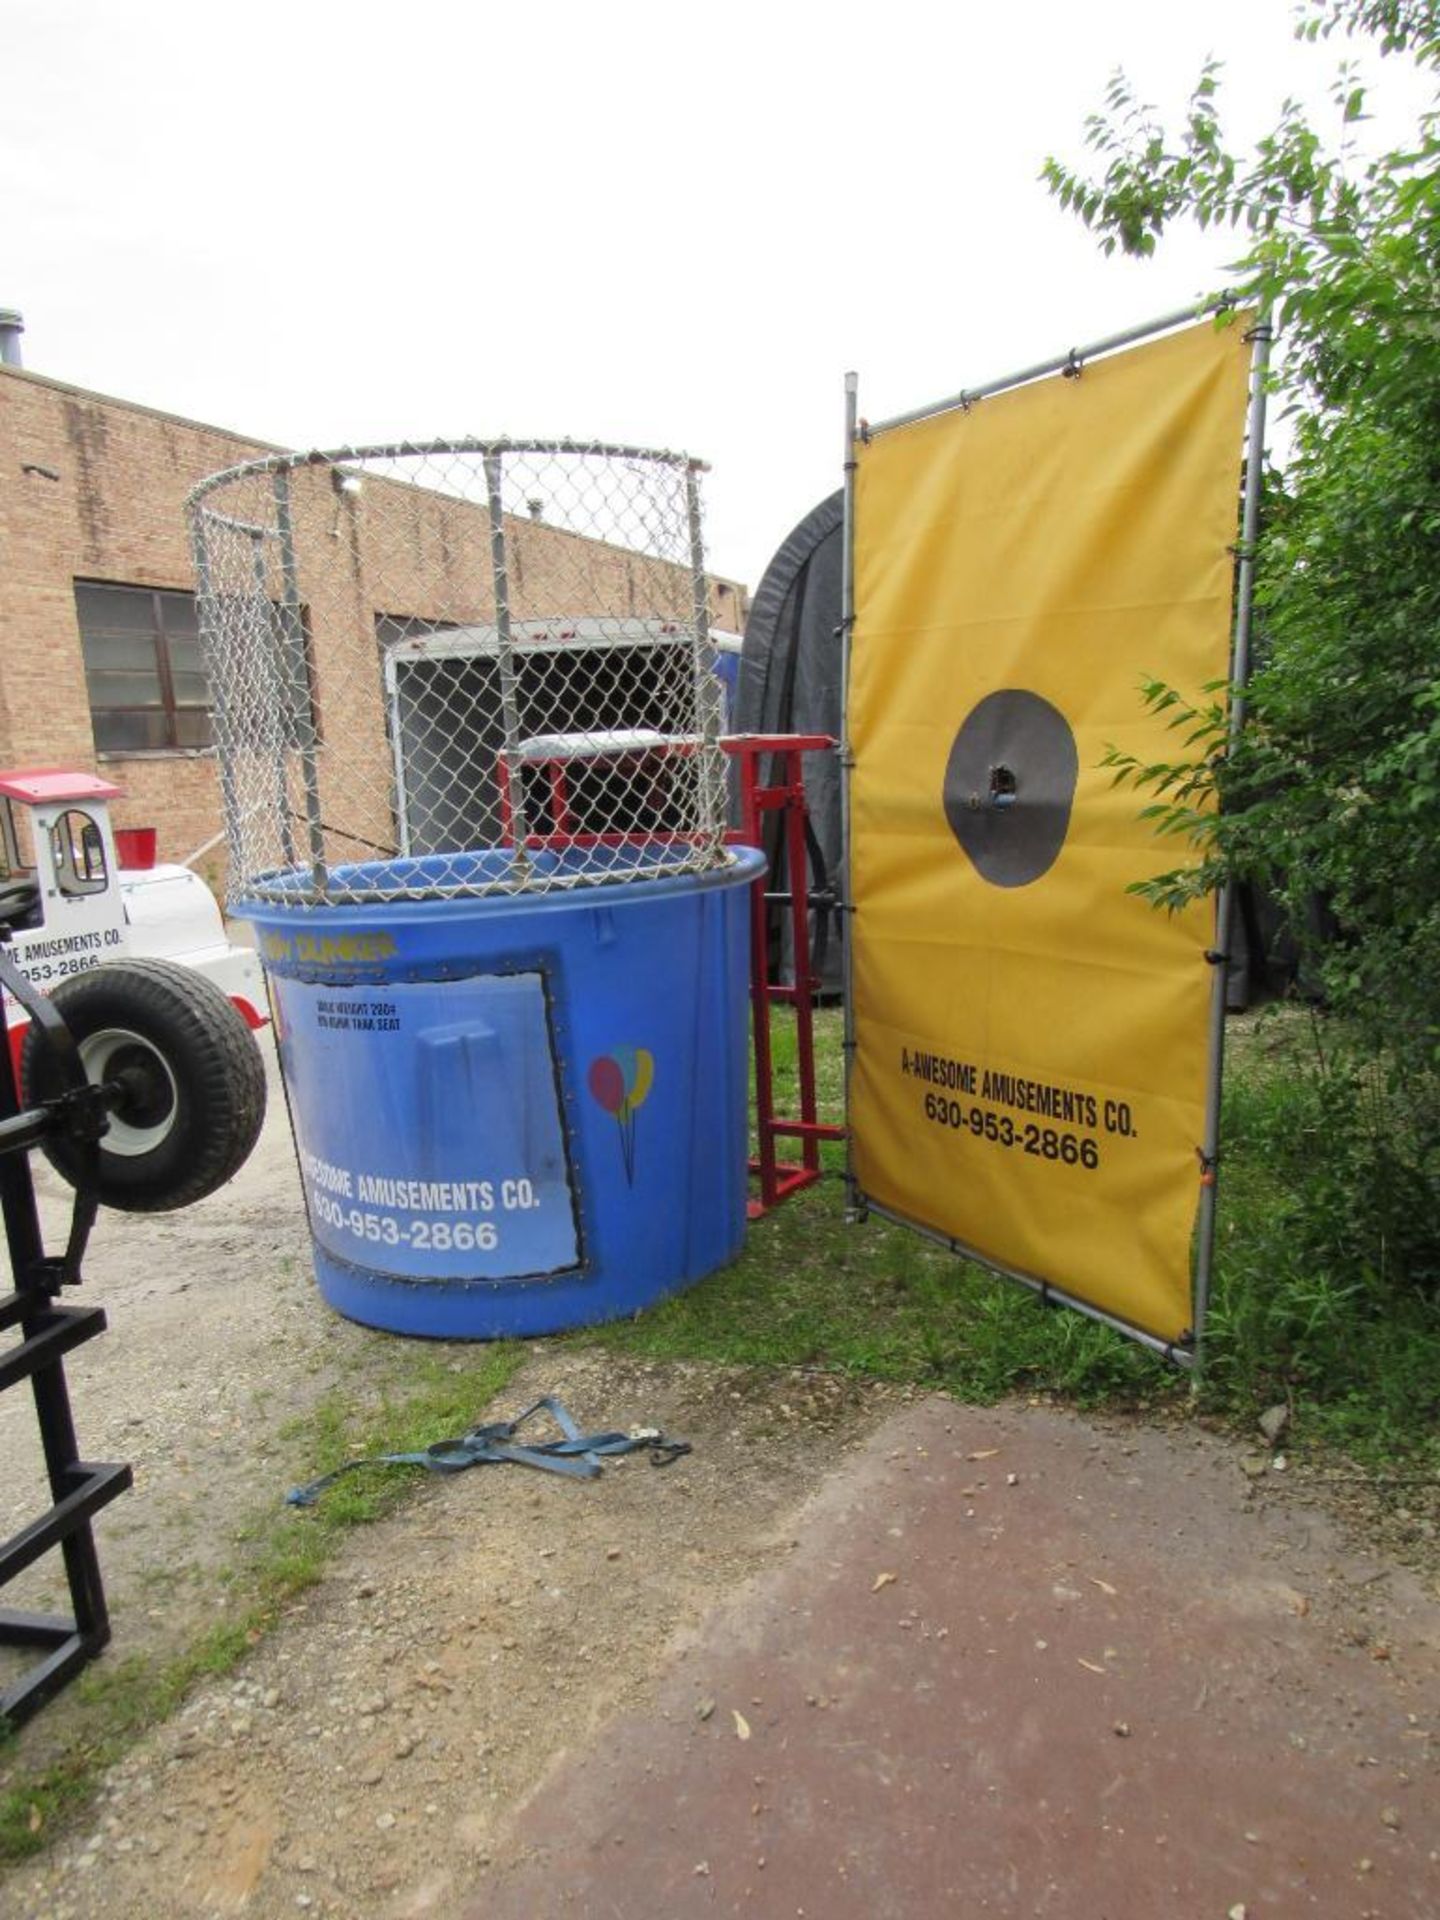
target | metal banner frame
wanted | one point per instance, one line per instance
(860, 1204)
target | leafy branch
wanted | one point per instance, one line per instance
(1186, 803)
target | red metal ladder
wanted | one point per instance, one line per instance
(783, 792)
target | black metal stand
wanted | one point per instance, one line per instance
(48, 1332)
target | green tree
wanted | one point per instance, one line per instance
(1335, 788)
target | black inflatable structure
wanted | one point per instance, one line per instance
(790, 682)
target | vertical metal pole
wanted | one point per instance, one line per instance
(280, 716)
(853, 1208)
(794, 818)
(1225, 908)
(299, 712)
(512, 771)
(752, 831)
(707, 720)
(394, 719)
(229, 802)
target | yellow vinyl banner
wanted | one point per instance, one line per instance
(1030, 1039)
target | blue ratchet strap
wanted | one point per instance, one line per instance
(577, 1454)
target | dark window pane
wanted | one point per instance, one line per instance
(132, 651)
(178, 613)
(123, 689)
(185, 656)
(129, 609)
(192, 727)
(129, 732)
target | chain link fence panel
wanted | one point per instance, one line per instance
(460, 668)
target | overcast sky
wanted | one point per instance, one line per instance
(332, 221)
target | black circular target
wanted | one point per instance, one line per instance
(1010, 784)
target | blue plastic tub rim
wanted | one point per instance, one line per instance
(474, 878)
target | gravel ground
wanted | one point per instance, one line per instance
(364, 1761)
(215, 1339)
(358, 1761)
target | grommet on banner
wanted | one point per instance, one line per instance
(1209, 1166)
(1217, 959)
(1074, 366)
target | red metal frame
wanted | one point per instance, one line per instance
(560, 826)
(783, 793)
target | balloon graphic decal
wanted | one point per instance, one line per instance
(620, 1082)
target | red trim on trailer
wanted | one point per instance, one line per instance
(252, 1017)
(37, 786)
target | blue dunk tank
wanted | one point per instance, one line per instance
(468, 728)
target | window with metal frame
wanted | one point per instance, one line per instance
(148, 688)
(78, 851)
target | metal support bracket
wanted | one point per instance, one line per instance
(47, 1332)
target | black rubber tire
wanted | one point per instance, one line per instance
(198, 1075)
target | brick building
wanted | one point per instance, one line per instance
(99, 660)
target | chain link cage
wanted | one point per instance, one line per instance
(460, 668)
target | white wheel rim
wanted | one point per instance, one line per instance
(102, 1055)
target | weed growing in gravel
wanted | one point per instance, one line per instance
(399, 1399)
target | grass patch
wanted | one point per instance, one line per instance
(1318, 1298)
(877, 1300)
(427, 1394)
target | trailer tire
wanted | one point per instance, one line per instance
(194, 1075)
